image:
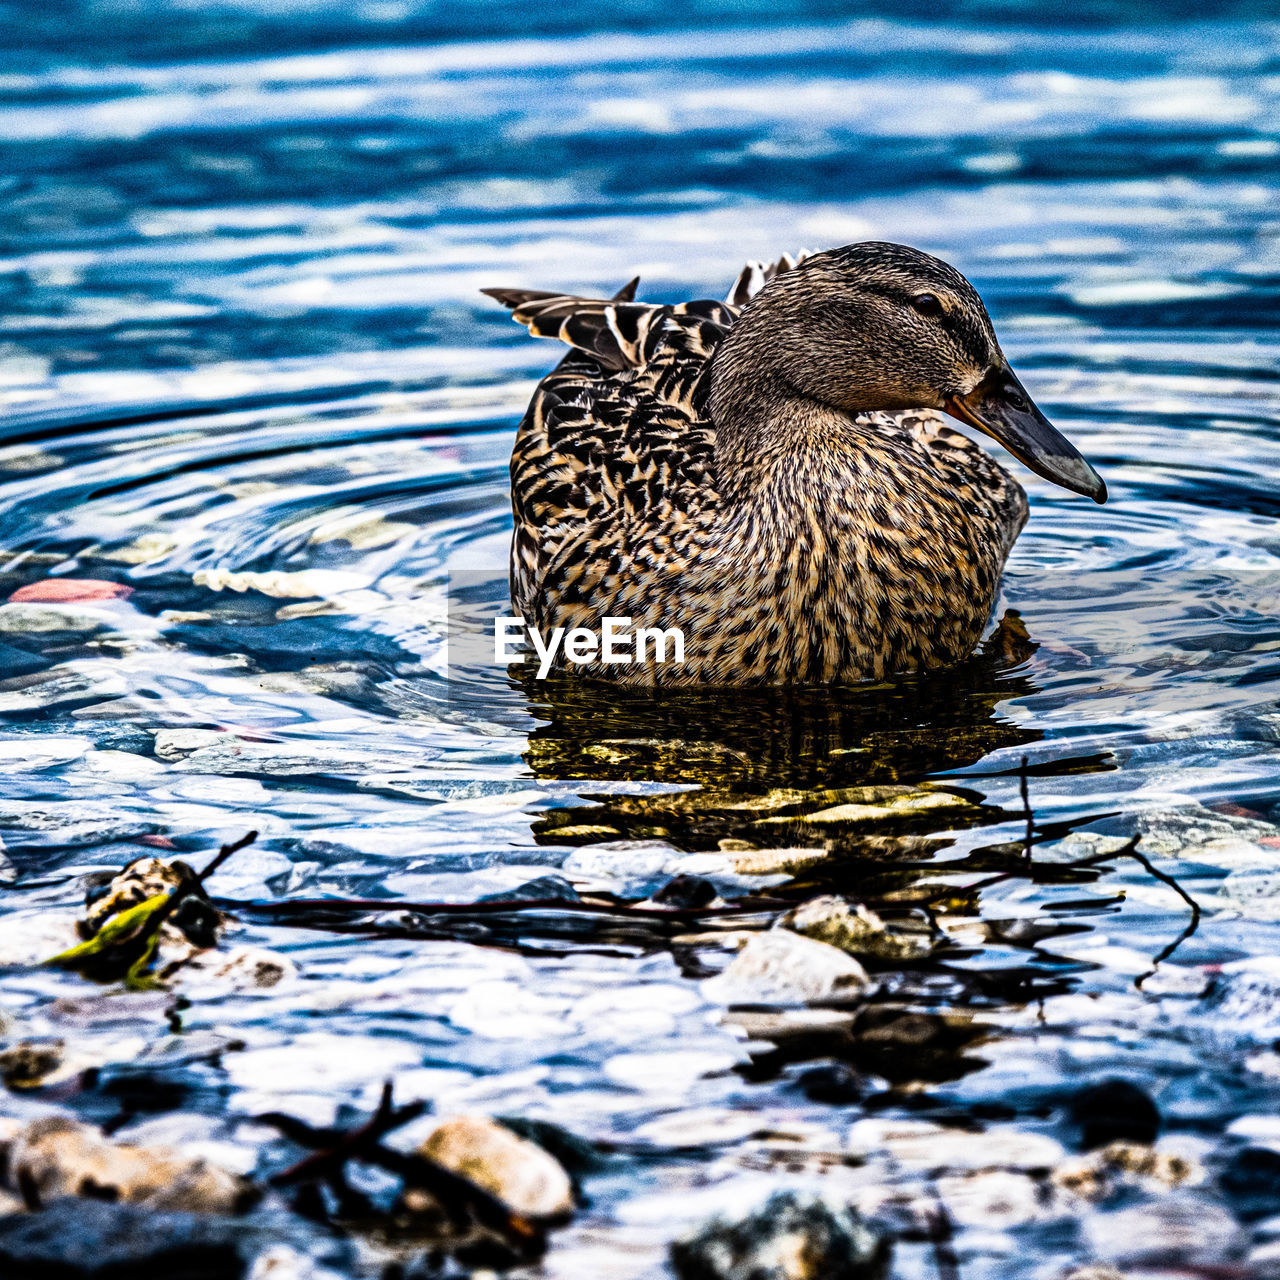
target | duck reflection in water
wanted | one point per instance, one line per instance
(767, 754)
(768, 764)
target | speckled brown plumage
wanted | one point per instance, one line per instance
(731, 469)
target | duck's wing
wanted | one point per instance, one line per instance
(615, 444)
(616, 450)
(618, 332)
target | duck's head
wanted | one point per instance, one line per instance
(878, 326)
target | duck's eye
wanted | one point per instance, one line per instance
(927, 304)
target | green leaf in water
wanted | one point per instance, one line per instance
(124, 946)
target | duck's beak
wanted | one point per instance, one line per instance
(999, 405)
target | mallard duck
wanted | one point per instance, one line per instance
(772, 474)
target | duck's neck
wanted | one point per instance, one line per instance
(771, 440)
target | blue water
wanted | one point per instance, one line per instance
(241, 341)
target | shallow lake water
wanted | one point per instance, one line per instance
(246, 371)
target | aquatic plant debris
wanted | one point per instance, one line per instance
(125, 944)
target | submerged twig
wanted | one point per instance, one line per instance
(181, 891)
(942, 1237)
(510, 906)
(458, 1197)
(336, 1147)
(1130, 850)
(1029, 838)
(224, 853)
(1127, 850)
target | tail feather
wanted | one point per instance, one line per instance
(616, 331)
(619, 332)
(755, 275)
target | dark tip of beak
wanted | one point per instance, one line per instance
(1000, 407)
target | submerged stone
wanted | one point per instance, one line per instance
(56, 1157)
(992, 1199)
(1194, 832)
(790, 1237)
(525, 1177)
(923, 1146)
(834, 1083)
(685, 892)
(243, 968)
(548, 888)
(1121, 1165)
(1114, 1111)
(69, 590)
(906, 806)
(1176, 1230)
(854, 928)
(780, 967)
(79, 1239)
(1252, 1180)
(20, 618)
(32, 1064)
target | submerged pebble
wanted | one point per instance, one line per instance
(18, 618)
(1194, 832)
(991, 1199)
(242, 968)
(781, 967)
(56, 1157)
(1114, 1111)
(1175, 1230)
(521, 1174)
(1252, 1180)
(1121, 1165)
(901, 805)
(792, 1236)
(86, 1238)
(924, 1146)
(282, 1262)
(70, 590)
(854, 928)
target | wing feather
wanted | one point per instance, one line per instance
(619, 441)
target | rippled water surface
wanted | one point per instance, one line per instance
(245, 370)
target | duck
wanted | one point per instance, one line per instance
(772, 480)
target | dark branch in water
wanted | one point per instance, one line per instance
(461, 1200)
(337, 1146)
(125, 944)
(1127, 850)
(942, 1237)
(1130, 850)
(1030, 836)
(175, 899)
(224, 853)
(508, 906)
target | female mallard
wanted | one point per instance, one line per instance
(768, 475)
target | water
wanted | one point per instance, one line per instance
(241, 342)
